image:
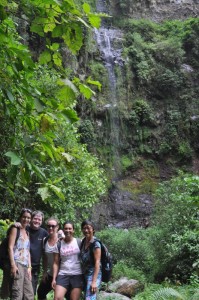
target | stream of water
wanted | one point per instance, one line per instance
(111, 56)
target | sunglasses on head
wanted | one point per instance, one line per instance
(51, 226)
(26, 210)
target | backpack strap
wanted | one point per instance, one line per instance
(91, 245)
(45, 241)
(18, 232)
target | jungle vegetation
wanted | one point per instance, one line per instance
(42, 162)
(53, 88)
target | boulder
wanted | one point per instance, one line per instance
(127, 287)
(111, 296)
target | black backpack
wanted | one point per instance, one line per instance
(106, 259)
(4, 257)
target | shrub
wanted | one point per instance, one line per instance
(123, 270)
(178, 224)
(133, 248)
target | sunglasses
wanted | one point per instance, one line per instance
(26, 210)
(51, 226)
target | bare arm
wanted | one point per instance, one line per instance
(97, 258)
(11, 243)
(55, 268)
(29, 268)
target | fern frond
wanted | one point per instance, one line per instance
(166, 293)
(196, 295)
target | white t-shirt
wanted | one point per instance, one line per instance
(70, 258)
(49, 250)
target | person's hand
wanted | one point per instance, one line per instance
(93, 288)
(53, 284)
(61, 234)
(13, 271)
(17, 224)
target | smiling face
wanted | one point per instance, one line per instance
(88, 231)
(36, 221)
(25, 219)
(52, 227)
(68, 231)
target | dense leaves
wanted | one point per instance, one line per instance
(42, 163)
(167, 250)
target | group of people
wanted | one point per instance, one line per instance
(70, 265)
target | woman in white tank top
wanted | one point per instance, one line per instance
(67, 271)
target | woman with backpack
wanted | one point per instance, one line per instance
(19, 256)
(67, 272)
(49, 246)
(90, 257)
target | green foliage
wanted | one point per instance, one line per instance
(143, 112)
(123, 270)
(132, 249)
(4, 225)
(178, 223)
(86, 130)
(43, 165)
(169, 247)
(126, 162)
(167, 293)
(185, 150)
(156, 90)
(171, 293)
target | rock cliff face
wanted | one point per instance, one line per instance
(123, 208)
(156, 10)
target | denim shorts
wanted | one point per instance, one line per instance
(70, 281)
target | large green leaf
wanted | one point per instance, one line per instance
(67, 95)
(49, 25)
(86, 91)
(45, 57)
(44, 192)
(15, 159)
(70, 114)
(48, 148)
(57, 191)
(86, 8)
(73, 37)
(57, 59)
(10, 95)
(94, 20)
(94, 82)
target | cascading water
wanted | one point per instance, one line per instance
(111, 56)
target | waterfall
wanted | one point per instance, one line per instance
(111, 56)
